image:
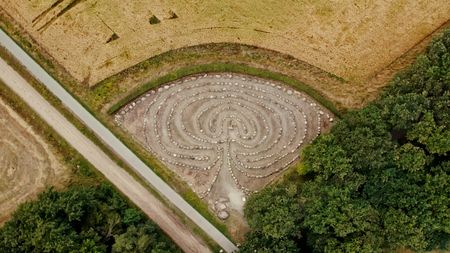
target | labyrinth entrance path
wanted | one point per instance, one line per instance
(27, 165)
(226, 135)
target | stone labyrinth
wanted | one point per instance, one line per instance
(226, 135)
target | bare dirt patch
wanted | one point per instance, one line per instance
(353, 39)
(27, 165)
(226, 135)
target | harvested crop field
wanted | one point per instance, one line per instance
(27, 165)
(226, 135)
(352, 39)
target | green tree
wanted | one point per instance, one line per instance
(79, 219)
(274, 215)
(142, 239)
(379, 181)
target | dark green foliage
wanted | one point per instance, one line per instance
(258, 242)
(381, 179)
(141, 238)
(81, 219)
(274, 215)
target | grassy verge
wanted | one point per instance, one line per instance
(108, 90)
(224, 67)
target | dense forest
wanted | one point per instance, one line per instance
(82, 219)
(379, 181)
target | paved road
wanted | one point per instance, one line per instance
(31, 97)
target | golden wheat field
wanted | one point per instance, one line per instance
(353, 39)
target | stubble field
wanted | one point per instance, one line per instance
(27, 165)
(351, 39)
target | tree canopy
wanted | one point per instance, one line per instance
(380, 180)
(81, 219)
(275, 216)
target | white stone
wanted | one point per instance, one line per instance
(223, 215)
(220, 206)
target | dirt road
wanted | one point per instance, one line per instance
(153, 207)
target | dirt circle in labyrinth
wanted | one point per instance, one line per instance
(226, 135)
(27, 165)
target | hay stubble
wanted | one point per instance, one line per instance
(27, 165)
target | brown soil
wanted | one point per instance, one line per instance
(27, 165)
(94, 39)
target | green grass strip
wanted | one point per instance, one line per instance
(224, 67)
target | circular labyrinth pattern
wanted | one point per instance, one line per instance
(220, 131)
(26, 167)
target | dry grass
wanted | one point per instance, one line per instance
(27, 164)
(353, 39)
